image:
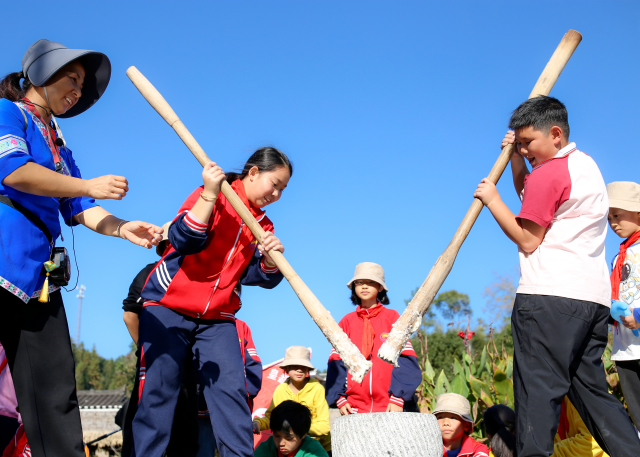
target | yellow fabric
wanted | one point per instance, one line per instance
(312, 396)
(579, 442)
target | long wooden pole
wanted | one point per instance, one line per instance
(351, 356)
(411, 319)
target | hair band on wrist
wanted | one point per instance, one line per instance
(206, 198)
(118, 229)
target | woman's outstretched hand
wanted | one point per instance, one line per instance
(107, 187)
(141, 233)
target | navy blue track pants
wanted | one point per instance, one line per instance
(167, 338)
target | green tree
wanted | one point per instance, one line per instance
(442, 349)
(448, 308)
(124, 370)
(502, 337)
(451, 310)
(95, 372)
(484, 379)
(500, 296)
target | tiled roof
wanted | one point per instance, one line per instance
(321, 377)
(101, 399)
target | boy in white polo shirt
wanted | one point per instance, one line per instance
(560, 314)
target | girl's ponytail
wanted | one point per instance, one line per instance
(265, 159)
(10, 87)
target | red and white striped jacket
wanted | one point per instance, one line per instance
(18, 447)
(198, 272)
(252, 362)
(384, 383)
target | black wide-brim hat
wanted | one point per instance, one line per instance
(44, 58)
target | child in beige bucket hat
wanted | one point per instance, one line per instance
(385, 388)
(302, 389)
(297, 356)
(624, 220)
(453, 412)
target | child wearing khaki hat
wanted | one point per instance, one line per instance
(385, 388)
(301, 389)
(454, 418)
(624, 220)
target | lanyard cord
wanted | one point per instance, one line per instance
(55, 151)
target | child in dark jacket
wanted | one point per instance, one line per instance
(385, 387)
(189, 305)
(290, 424)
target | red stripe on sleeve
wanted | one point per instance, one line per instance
(268, 270)
(194, 223)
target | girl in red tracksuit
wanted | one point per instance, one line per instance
(189, 306)
(385, 387)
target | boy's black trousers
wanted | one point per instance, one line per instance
(36, 339)
(558, 345)
(629, 374)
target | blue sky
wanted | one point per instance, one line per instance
(392, 112)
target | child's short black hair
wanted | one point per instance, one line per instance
(382, 296)
(541, 113)
(290, 415)
(500, 424)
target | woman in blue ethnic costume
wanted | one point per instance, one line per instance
(39, 180)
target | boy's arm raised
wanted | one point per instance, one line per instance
(525, 233)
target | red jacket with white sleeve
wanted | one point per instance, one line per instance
(18, 447)
(384, 383)
(204, 262)
(252, 362)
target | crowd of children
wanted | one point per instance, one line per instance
(299, 387)
(195, 355)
